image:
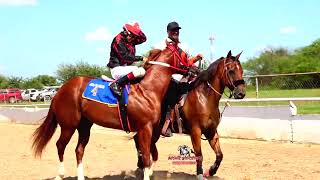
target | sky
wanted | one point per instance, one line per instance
(36, 36)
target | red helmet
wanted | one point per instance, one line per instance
(132, 27)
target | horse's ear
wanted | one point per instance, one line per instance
(229, 54)
(238, 56)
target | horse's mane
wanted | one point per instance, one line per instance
(206, 75)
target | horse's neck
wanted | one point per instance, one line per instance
(157, 80)
(212, 96)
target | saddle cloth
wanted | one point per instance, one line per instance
(98, 90)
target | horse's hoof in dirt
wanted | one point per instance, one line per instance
(59, 177)
(206, 173)
(200, 177)
(81, 178)
(146, 174)
(152, 167)
(139, 173)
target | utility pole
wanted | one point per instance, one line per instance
(211, 39)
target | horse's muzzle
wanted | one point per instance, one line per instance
(239, 92)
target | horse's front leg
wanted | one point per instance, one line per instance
(215, 145)
(153, 149)
(196, 143)
(144, 141)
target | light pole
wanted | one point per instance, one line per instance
(211, 39)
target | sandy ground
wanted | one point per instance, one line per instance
(110, 155)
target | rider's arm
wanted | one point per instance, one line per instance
(141, 38)
(193, 60)
(123, 53)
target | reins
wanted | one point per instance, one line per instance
(175, 66)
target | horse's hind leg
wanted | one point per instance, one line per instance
(215, 145)
(65, 136)
(84, 135)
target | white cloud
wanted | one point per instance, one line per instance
(288, 30)
(100, 34)
(18, 2)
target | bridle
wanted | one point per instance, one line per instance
(176, 60)
(227, 76)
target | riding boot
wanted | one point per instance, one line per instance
(118, 85)
(168, 132)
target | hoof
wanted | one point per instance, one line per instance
(139, 173)
(200, 177)
(81, 178)
(59, 177)
(206, 173)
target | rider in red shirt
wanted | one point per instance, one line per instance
(122, 55)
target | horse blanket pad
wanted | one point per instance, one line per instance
(99, 90)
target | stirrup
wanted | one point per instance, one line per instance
(116, 89)
(167, 133)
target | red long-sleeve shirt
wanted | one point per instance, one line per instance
(122, 52)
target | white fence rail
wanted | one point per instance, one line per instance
(267, 122)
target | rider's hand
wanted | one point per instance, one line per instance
(200, 56)
(144, 59)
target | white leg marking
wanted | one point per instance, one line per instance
(152, 167)
(80, 172)
(146, 174)
(60, 172)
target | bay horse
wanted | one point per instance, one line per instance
(73, 112)
(200, 111)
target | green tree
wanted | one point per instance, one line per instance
(15, 82)
(268, 62)
(68, 71)
(39, 81)
(280, 60)
(46, 80)
(3, 82)
(32, 83)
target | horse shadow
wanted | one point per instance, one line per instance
(138, 175)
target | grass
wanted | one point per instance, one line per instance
(284, 93)
(39, 104)
(304, 107)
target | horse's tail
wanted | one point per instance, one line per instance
(44, 133)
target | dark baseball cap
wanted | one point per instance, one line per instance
(173, 26)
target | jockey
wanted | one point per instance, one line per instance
(180, 87)
(122, 55)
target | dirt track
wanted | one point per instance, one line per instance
(109, 155)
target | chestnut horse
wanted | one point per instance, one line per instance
(72, 112)
(200, 112)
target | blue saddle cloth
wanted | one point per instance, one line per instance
(99, 90)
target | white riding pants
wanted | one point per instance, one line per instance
(120, 71)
